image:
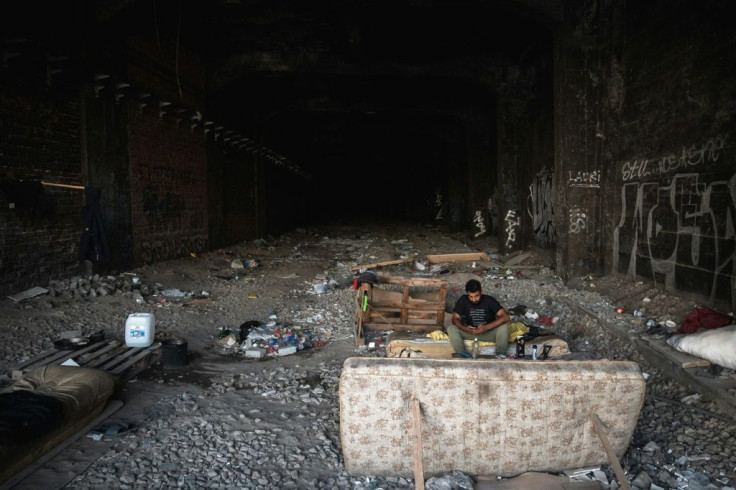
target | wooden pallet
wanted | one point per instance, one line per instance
(108, 355)
(378, 308)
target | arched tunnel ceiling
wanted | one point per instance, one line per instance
(280, 69)
(337, 86)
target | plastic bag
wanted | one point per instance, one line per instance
(456, 481)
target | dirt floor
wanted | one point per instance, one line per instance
(303, 278)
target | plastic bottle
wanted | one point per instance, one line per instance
(476, 348)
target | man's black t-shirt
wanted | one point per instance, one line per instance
(475, 314)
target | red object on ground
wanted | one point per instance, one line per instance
(702, 317)
(319, 343)
(547, 321)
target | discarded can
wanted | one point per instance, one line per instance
(651, 323)
(637, 313)
(520, 346)
(534, 353)
(620, 310)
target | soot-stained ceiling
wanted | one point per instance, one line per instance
(370, 91)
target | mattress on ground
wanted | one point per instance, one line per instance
(502, 417)
(80, 394)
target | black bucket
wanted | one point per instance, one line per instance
(174, 353)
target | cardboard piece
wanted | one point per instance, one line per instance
(29, 293)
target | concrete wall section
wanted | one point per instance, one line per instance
(674, 213)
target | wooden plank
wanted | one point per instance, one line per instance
(400, 327)
(412, 281)
(684, 360)
(416, 423)
(612, 458)
(52, 358)
(404, 305)
(144, 353)
(107, 357)
(434, 259)
(87, 358)
(380, 264)
(120, 358)
(713, 389)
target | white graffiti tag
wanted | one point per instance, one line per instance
(512, 224)
(644, 168)
(578, 220)
(479, 223)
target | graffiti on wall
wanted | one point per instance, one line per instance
(479, 223)
(159, 250)
(660, 167)
(684, 230)
(541, 208)
(584, 179)
(513, 222)
(438, 204)
(578, 220)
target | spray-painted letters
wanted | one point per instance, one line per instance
(479, 223)
(683, 233)
(578, 220)
(646, 168)
(542, 211)
(512, 224)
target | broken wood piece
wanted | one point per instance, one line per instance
(416, 423)
(683, 359)
(67, 186)
(612, 458)
(379, 264)
(517, 259)
(435, 259)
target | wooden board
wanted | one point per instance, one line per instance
(436, 259)
(682, 359)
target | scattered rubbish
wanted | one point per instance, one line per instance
(30, 293)
(691, 399)
(175, 293)
(70, 362)
(455, 481)
(110, 429)
(620, 310)
(637, 313)
(244, 264)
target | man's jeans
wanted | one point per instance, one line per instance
(499, 335)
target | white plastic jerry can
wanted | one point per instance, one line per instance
(140, 328)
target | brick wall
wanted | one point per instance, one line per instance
(39, 141)
(168, 166)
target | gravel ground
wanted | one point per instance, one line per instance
(274, 423)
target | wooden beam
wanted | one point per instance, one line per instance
(435, 259)
(380, 264)
(612, 458)
(416, 422)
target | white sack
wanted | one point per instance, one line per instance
(717, 345)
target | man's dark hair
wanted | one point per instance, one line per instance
(473, 286)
